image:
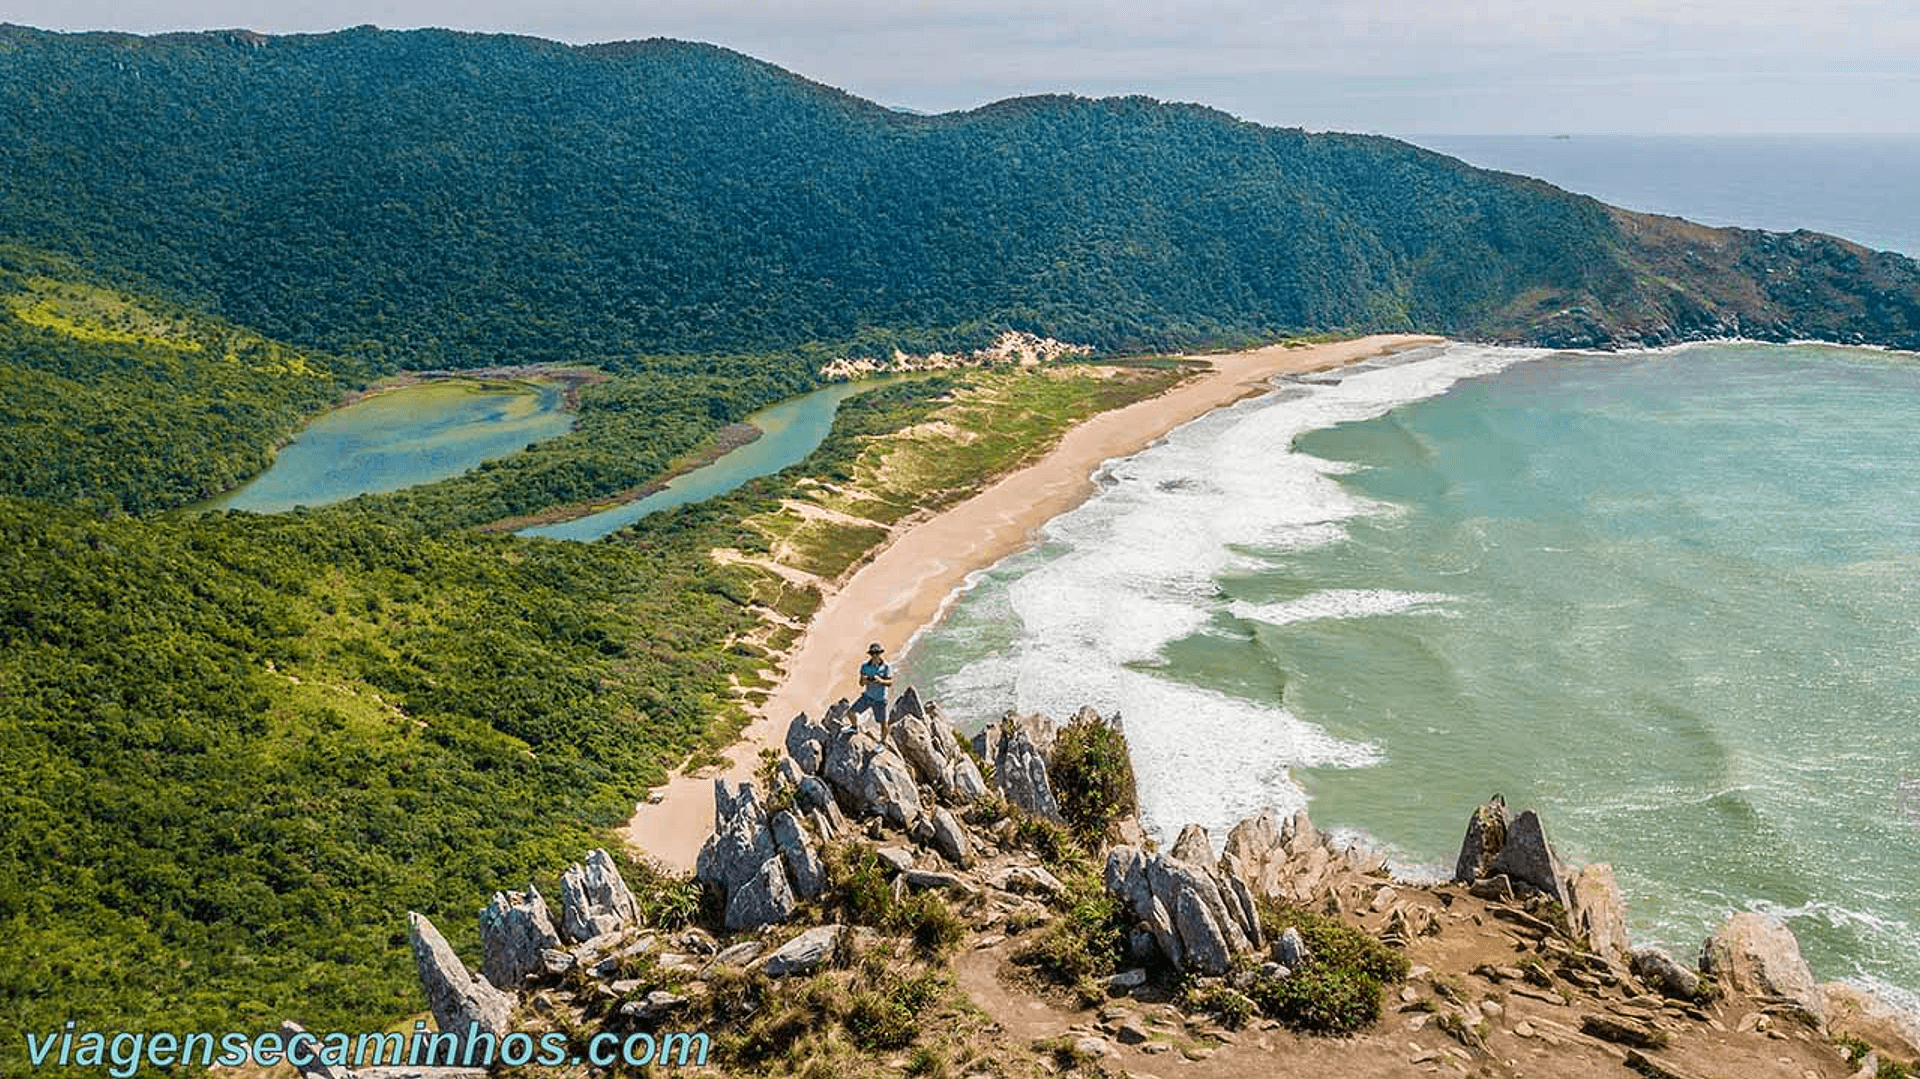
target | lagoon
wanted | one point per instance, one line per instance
(401, 437)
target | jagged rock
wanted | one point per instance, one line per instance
(1194, 846)
(900, 858)
(514, 929)
(1193, 911)
(803, 865)
(594, 899)
(805, 740)
(555, 962)
(1486, 834)
(1528, 858)
(1298, 833)
(816, 798)
(805, 953)
(1128, 979)
(924, 879)
(1597, 913)
(1665, 973)
(1020, 771)
(740, 843)
(1253, 854)
(762, 900)
(1496, 887)
(871, 779)
(964, 781)
(950, 838)
(1290, 949)
(460, 1000)
(1755, 954)
(1854, 1012)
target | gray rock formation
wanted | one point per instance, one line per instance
(1486, 834)
(869, 778)
(1753, 953)
(740, 843)
(1020, 771)
(594, 899)
(929, 747)
(765, 898)
(1527, 858)
(1664, 973)
(804, 741)
(458, 998)
(807, 952)
(1290, 949)
(514, 929)
(950, 838)
(1040, 732)
(1197, 917)
(1194, 846)
(808, 872)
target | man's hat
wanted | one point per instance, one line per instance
(874, 649)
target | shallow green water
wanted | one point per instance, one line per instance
(1672, 600)
(401, 437)
(789, 431)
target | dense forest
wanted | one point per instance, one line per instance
(433, 199)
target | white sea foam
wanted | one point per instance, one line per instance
(1137, 567)
(1338, 603)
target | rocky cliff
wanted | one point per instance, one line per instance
(892, 898)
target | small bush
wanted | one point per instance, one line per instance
(1320, 999)
(1334, 943)
(1230, 1006)
(935, 928)
(1092, 776)
(1082, 946)
(1055, 845)
(858, 890)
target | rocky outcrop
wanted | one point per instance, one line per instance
(929, 746)
(1506, 856)
(1667, 975)
(807, 952)
(745, 862)
(461, 1001)
(1597, 913)
(1020, 771)
(514, 929)
(1200, 918)
(1753, 953)
(594, 899)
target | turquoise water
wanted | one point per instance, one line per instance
(789, 430)
(401, 437)
(1669, 599)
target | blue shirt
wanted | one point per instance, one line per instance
(876, 670)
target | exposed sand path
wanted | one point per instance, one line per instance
(904, 586)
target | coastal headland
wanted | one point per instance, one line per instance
(903, 586)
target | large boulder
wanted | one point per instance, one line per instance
(1193, 846)
(1197, 916)
(1597, 913)
(514, 929)
(807, 952)
(928, 745)
(804, 741)
(1527, 858)
(950, 838)
(796, 850)
(1755, 954)
(1666, 974)
(462, 1002)
(764, 899)
(594, 899)
(870, 778)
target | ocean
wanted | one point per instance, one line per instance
(1670, 599)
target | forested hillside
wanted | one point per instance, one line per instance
(431, 198)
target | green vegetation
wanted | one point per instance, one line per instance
(117, 402)
(436, 199)
(1094, 777)
(1337, 990)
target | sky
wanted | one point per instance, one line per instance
(1402, 67)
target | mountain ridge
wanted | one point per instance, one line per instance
(439, 198)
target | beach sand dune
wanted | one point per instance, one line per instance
(905, 585)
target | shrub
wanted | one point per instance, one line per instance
(1320, 999)
(1092, 776)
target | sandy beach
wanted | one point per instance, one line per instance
(905, 585)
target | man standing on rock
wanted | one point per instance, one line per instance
(875, 676)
